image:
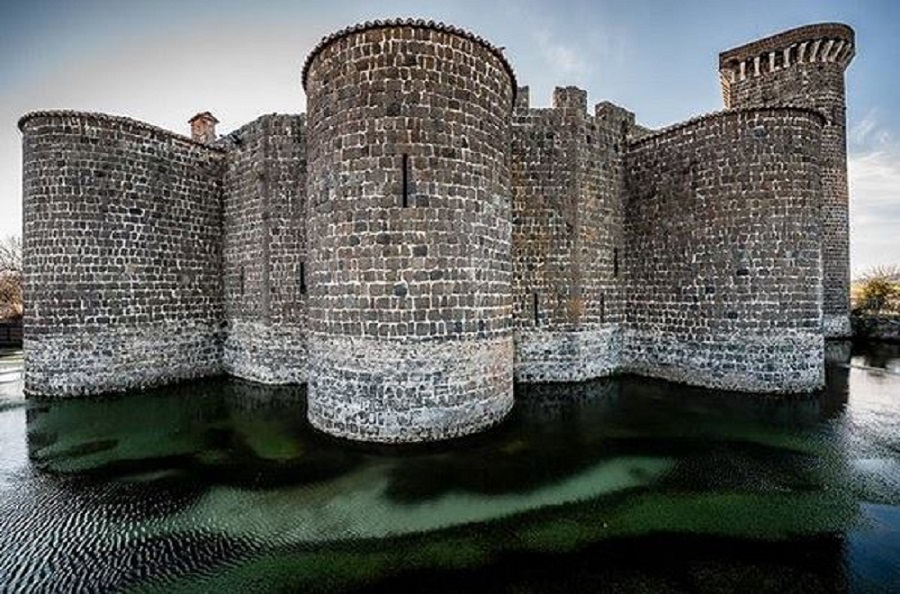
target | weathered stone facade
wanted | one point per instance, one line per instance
(568, 189)
(409, 225)
(423, 236)
(264, 250)
(122, 248)
(805, 67)
(723, 240)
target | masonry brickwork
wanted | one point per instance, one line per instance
(722, 232)
(122, 249)
(805, 67)
(423, 236)
(409, 222)
(568, 205)
(264, 250)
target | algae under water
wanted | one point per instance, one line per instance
(622, 484)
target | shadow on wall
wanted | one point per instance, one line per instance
(11, 333)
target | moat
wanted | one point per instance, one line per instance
(622, 484)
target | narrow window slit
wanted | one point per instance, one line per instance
(242, 281)
(537, 310)
(405, 180)
(302, 278)
(602, 308)
(615, 262)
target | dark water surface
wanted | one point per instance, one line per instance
(624, 485)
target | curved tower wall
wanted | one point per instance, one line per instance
(409, 225)
(122, 254)
(805, 67)
(722, 228)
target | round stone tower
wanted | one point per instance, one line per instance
(805, 67)
(409, 226)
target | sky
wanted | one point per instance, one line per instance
(162, 61)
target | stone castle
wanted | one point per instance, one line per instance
(422, 238)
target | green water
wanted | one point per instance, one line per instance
(622, 484)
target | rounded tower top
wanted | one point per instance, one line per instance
(409, 23)
(823, 42)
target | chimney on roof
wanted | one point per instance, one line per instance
(203, 127)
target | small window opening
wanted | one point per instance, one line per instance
(242, 281)
(537, 311)
(405, 180)
(615, 262)
(302, 278)
(602, 308)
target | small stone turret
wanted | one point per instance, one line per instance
(804, 67)
(203, 127)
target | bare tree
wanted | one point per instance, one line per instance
(878, 290)
(11, 305)
(890, 272)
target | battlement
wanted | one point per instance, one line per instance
(574, 100)
(823, 43)
(805, 67)
(570, 98)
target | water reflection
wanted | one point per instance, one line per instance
(211, 485)
(878, 355)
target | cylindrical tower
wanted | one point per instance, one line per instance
(805, 67)
(409, 232)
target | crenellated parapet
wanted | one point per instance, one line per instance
(830, 43)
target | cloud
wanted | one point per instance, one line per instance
(873, 171)
(869, 134)
(874, 208)
(563, 59)
(860, 132)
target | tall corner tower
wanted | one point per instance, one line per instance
(409, 229)
(804, 67)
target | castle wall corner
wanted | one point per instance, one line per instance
(409, 222)
(568, 188)
(264, 250)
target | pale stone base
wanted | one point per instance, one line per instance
(836, 326)
(838, 351)
(560, 356)
(393, 392)
(783, 363)
(267, 354)
(117, 359)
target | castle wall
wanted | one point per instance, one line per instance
(409, 222)
(805, 67)
(424, 237)
(567, 188)
(723, 252)
(264, 251)
(122, 228)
